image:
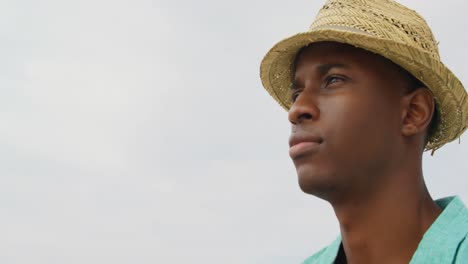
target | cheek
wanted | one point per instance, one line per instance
(357, 121)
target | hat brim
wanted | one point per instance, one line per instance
(450, 96)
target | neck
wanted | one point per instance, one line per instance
(387, 225)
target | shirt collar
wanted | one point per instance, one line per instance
(441, 240)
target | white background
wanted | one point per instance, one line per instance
(137, 131)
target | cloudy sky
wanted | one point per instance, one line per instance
(137, 131)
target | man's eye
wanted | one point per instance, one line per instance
(294, 96)
(333, 79)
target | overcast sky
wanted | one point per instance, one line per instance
(137, 131)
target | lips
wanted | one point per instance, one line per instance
(300, 145)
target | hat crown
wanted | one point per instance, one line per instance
(385, 19)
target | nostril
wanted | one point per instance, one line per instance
(298, 114)
(305, 116)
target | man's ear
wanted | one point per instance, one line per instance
(418, 108)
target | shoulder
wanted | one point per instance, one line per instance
(460, 224)
(461, 255)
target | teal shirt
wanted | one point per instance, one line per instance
(444, 242)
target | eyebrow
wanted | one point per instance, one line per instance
(322, 69)
(325, 68)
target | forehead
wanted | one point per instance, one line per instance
(339, 53)
(316, 60)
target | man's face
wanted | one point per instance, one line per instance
(346, 119)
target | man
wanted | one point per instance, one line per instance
(367, 94)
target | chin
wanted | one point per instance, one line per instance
(316, 182)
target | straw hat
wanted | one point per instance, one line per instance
(386, 28)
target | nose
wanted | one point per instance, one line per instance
(303, 109)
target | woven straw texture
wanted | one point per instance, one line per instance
(386, 28)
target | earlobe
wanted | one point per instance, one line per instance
(418, 108)
(409, 130)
